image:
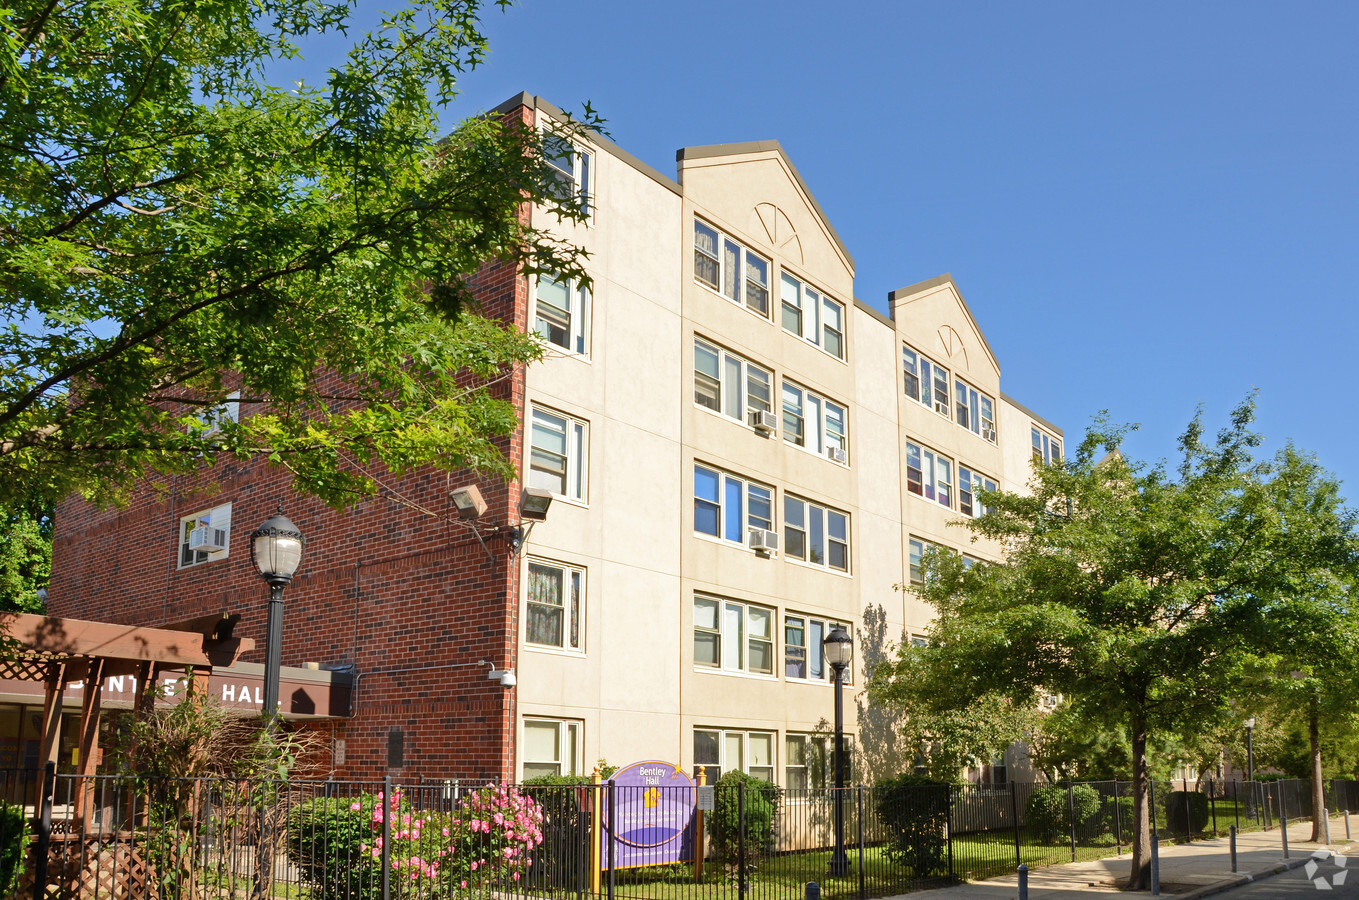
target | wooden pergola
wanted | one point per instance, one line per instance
(62, 652)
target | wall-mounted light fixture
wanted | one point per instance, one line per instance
(471, 506)
(504, 676)
(468, 501)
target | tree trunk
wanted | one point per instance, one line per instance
(1140, 878)
(1318, 787)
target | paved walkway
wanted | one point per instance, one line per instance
(1187, 870)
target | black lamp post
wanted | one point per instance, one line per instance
(1250, 769)
(276, 550)
(839, 647)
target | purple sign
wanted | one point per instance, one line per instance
(654, 805)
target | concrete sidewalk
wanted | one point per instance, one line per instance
(1187, 870)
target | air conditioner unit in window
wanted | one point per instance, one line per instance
(764, 421)
(835, 454)
(989, 434)
(762, 541)
(205, 537)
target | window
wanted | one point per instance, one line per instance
(917, 555)
(556, 593)
(1046, 449)
(571, 166)
(727, 384)
(551, 747)
(229, 410)
(929, 474)
(815, 534)
(806, 764)
(812, 315)
(561, 313)
(975, 411)
(205, 536)
(970, 486)
(813, 422)
(730, 269)
(926, 382)
(733, 636)
(803, 653)
(725, 505)
(722, 751)
(557, 460)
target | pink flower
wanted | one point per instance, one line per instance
(464, 885)
(516, 876)
(356, 805)
(474, 865)
(445, 831)
(498, 819)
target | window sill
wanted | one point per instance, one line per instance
(728, 673)
(728, 419)
(765, 317)
(723, 542)
(820, 568)
(549, 650)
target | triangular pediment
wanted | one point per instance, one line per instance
(933, 317)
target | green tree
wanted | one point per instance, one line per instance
(1136, 591)
(174, 229)
(25, 556)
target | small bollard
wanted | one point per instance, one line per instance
(1023, 882)
(1283, 830)
(1326, 825)
(1231, 836)
(1347, 824)
(812, 892)
(1155, 865)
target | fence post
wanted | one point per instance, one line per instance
(948, 825)
(698, 827)
(49, 789)
(1283, 822)
(613, 833)
(387, 811)
(1231, 844)
(1188, 813)
(862, 894)
(1071, 816)
(1212, 804)
(596, 806)
(740, 840)
(1118, 824)
(1014, 811)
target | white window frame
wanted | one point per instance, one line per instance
(217, 517)
(805, 526)
(935, 474)
(1046, 448)
(572, 609)
(733, 635)
(799, 756)
(741, 740)
(229, 410)
(970, 483)
(580, 171)
(814, 629)
(915, 554)
(733, 521)
(569, 739)
(577, 326)
(808, 419)
(803, 311)
(975, 410)
(926, 377)
(576, 438)
(737, 286)
(737, 378)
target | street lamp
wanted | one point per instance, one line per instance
(839, 648)
(276, 550)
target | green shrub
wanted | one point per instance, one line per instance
(1123, 825)
(13, 844)
(914, 811)
(1048, 811)
(759, 828)
(324, 835)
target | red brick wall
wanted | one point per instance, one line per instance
(412, 600)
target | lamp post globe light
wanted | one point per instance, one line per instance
(839, 650)
(276, 552)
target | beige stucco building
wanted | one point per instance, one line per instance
(753, 456)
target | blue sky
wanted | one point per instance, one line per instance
(1147, 206)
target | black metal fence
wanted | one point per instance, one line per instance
(107, 836)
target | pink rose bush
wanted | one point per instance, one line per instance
(484, 843)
